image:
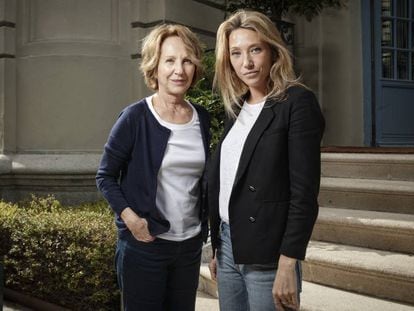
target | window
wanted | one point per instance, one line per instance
(397, 39)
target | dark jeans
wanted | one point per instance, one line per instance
(161, 275)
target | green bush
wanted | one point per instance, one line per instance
(64, 255)
(202, 93)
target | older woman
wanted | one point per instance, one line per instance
(152, 173)
(264, 177)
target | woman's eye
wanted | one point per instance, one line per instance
(235, 53)
(169, 60)
(188, 61)
(256, 50)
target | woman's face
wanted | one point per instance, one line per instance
(175, 69)
(251, 58)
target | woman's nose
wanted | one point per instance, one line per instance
(248, 62)
(178, 68)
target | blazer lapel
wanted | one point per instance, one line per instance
(265, 117)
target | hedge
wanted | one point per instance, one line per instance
(64, 255)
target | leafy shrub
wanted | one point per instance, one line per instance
(64, 255)
(202, 93)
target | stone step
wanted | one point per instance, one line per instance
(372, 166)
(205, 302)
(375, 273)
(378, 230)
(207, 252)
(205, 283)
(317, 297)
(314, 297)
(368, 194)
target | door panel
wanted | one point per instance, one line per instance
(393, 74)
(397, 114)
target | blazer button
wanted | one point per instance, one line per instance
(252, 219)
(252, 189)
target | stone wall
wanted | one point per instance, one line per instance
(329, 57)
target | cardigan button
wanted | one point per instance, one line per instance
(252, 189)
(252, 219)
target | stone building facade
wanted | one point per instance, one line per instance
(67, 67)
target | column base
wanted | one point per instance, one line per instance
(68, 177)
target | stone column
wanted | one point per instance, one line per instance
(73, 76)
(7, 82)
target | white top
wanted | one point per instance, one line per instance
(179, 175)
(231, 150)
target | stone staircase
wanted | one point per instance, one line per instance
(361, 256)
(363, 241)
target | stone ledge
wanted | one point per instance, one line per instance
(5, 164)
(80, 163)
(69, 177)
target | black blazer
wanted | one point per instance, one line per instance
(273, 205)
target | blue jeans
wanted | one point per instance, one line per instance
(245, 287)
(160, 275)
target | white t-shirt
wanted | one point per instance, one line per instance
(179, 175)
(231, 150)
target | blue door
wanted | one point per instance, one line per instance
(393, 53)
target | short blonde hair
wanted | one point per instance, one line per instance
(281, 76)
(151, 51)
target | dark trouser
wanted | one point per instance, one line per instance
(161, 275)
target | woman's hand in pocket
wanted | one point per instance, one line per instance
(137, 225)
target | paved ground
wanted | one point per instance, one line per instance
(204, 303)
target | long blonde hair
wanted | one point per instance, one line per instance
(151, 51)
(282, 75)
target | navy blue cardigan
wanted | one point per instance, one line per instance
(127, 174)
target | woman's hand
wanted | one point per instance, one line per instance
(285, 289)
(212, 266)
(137, 225)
